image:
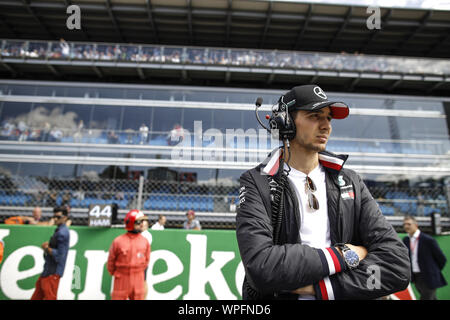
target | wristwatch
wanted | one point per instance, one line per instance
(351, 258)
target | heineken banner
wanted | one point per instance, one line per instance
(183, 264)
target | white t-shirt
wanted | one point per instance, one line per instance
(414, 248)
(147, 235)
(157, 226)
(314, 224)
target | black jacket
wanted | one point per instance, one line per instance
(431, 260)
(275, 270)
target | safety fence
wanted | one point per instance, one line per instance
(160, 194)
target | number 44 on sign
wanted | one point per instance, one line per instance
(100, 215)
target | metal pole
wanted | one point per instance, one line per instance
(140, 192)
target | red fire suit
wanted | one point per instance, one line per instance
(128, 258)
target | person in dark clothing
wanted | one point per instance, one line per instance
(308, 228)
(55, 256)
(427, 260)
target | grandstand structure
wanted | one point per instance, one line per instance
(151, 104)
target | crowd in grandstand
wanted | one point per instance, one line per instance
(215, 56)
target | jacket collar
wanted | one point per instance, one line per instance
(332, 162)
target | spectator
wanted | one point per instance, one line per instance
(143, 132)
(51, 200)
(176, 135)
(112, 137)
(147, 235)
(79, 195)
(233, 204)
(130, 133)
(55, 256)
(56, 135)
(128, 269)
(46, 132)
(65, 48)
(114, 213)
(159, 225)
(427, 260)
(191, 223)
(78, 135)
(36, 219)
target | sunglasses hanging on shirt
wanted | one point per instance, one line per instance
(310, 188)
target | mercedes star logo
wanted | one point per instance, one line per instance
(319, 92)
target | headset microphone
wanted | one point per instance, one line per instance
(258, 104)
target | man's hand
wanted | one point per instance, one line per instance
(360, 250)
(305, 290)
(46, 248)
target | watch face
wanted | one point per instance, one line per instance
(351, 258)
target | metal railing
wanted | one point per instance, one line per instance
(21, 132)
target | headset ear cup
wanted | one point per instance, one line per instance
(292, 128)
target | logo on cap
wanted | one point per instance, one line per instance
(319, 92)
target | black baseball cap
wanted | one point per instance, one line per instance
(311, 97)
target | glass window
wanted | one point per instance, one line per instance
(218, 56)
(59, 50)
(128, 52)
(8, 168)
(92, 171)
(52, 114)
(63, 170)
(172, 55)
(83, 51)
(21, 90)
(51, 91)
(203, 115)
(134, 117)
(194, 55)
(134, 94)
(84, 92)
(423, 128)
(106, 117)
(205, 96)
(106, 51)
(227, 119)
(37, 49)
(14, 48)
(362, 127)
(33, 169)
(115, 93)
(418, 104)
(166, 118)
(249, 119)
(151, 54)
(388, 103)
(15, 111)
(81, 113)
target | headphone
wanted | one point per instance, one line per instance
(280, 121)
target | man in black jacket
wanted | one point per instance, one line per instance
(306, 227)
(427, 260)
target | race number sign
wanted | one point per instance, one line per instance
(99, 215)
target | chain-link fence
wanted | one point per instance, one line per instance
(214, 203)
